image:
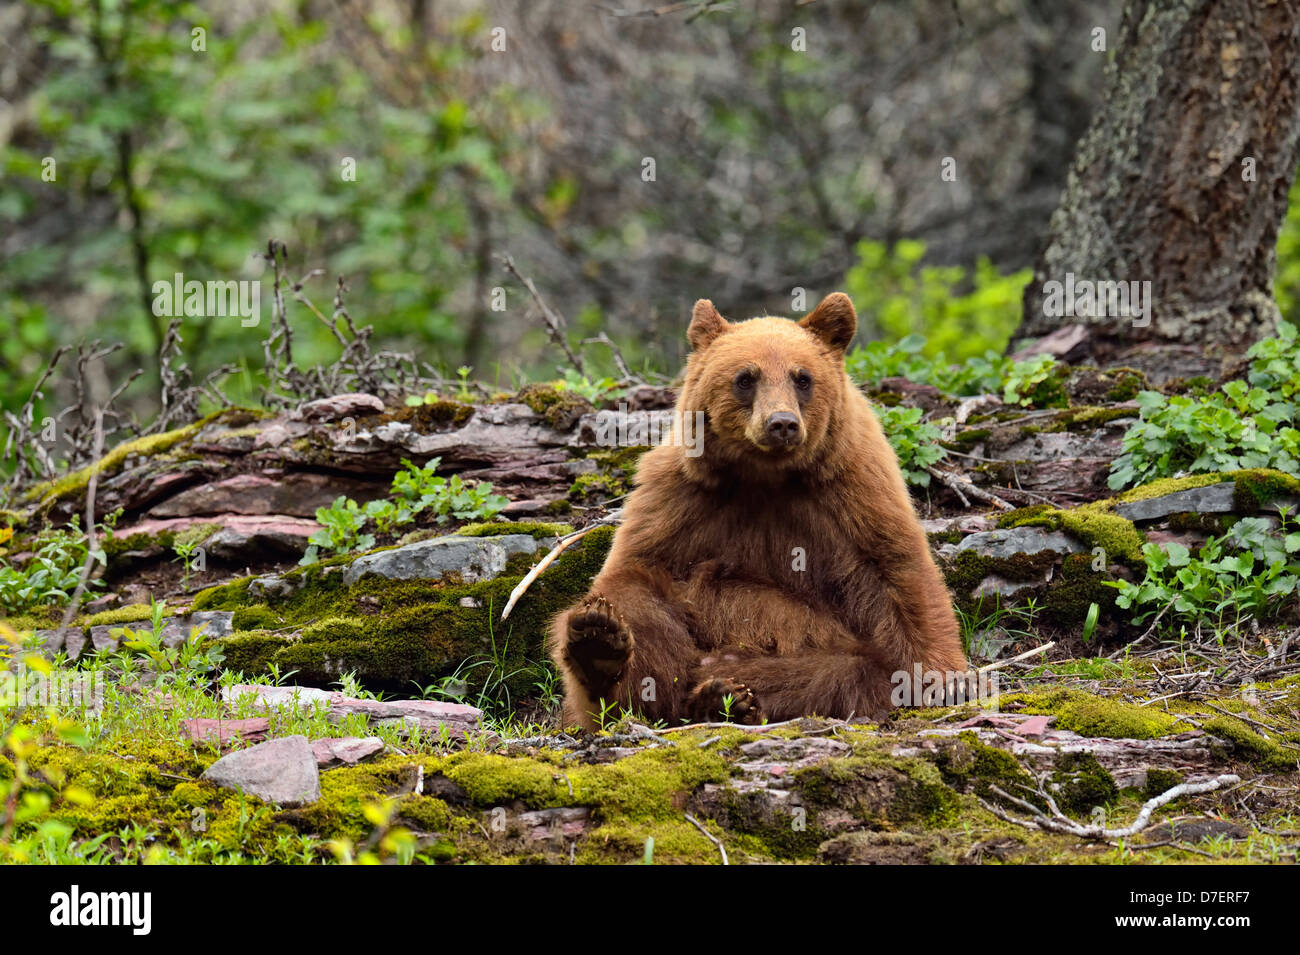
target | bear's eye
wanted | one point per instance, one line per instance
(744, 383)
(803, 380)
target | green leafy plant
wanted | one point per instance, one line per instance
(464, 394)
(48, 577)
(915, 442)
(602, 389)
(1246, 573)
(414, 491)
(341, 532)
(1034, 382)
(184, 548)
(1242, 425)
(422, 489)
(172, 664)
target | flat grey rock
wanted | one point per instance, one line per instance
(281, 771)
(1018, 540)
(1211, 499)
(472, 558)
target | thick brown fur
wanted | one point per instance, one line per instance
(705, 604)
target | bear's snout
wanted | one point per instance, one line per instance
(783, 430)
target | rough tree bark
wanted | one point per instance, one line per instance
(1182, 180)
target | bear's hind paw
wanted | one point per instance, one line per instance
(725, 699)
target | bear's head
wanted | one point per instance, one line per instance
(770, 388)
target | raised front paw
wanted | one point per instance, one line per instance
(598, 645)
(725, 699)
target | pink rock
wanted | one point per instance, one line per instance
(281, 771)
(226, 731)
(1060, 343)
(430, 715)
(340, 406)
(272, 436)
(1034, 726)
(296, 494)
(334, 751)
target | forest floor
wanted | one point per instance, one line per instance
(385, 712)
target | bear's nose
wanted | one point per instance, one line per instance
(783, 428)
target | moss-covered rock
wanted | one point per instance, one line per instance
(393, 632)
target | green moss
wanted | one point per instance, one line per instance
(132, 613)
(967, 439)
(1079, 783)
(1090, 524)
(1256, 488)
(965, 572)
(1160, 781)
(885, 791)
(593, 487)
(394, 631)
(1248, 744)
(970, 765)
(1090, 715)
(538, 396)
(1162, 486)
(48, 492)
(938, 538)
(250, 653)
(1037, 515)
(1095, 527)
(1070, 595)
(256, 617)
(1088, 418)
(346, 792)
(676, 842)
(1128, 382)
(491, 780)
(445, 411)
(541, 530)
(231, 596)
(559, 408)
(115, 547)
(336, 628)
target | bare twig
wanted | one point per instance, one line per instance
(555, 323)
(708, 835)
(561, 545)
(1061, 823)
(961, 485)
(91, 549)
(1018, 657)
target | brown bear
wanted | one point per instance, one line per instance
(773, 568)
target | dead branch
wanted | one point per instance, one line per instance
(961, 485)
(1018, 657)
(710, 836)
(92, 551)
(1060, 823)
(555, 323)
(549, 559)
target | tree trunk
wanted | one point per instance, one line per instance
(1181, 181)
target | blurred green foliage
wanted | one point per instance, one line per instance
(960, 314)
(1286, 282)
(209, 152)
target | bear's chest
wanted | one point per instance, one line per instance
(793, 541)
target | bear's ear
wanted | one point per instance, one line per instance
(833, 321)
(706, 325)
